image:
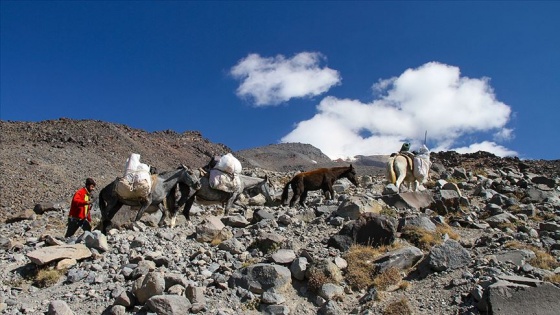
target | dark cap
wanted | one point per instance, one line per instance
(90, 181)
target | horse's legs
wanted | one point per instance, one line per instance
(401, 174)
(303, 197)
(297, 193)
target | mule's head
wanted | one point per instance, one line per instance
(351, 175)
(267, 189)
(190, 178)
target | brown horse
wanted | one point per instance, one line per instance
(322, 178)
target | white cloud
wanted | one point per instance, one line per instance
(488, 147)
(504, 134)
(433, 98)
(272, 81)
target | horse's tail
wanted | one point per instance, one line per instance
(285, 192)
(391, 176)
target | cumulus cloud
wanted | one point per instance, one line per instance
(432, 98)
(272, 81)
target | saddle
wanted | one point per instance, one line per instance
(409, 159)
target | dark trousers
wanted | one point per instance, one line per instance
(74, 224)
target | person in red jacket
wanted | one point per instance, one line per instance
(80, 215)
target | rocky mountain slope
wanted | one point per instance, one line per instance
(48, 160)
(482, 237)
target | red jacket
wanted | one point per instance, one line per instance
(79, 207)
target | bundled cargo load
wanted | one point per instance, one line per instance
(224, 181)
(422, 164)
(229, 164)
(137, 181)
(225, 174)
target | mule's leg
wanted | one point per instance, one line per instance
(230, 202)
(414, 185)
(111, 210)
(187, 208)
(164, 215)
(143, 206)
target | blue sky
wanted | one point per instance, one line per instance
(347, 77)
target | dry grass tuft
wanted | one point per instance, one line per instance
(388, 278)
(405, 285)
(554, 278)
(400, 307)
(446, 229)
(360, 271)
(251, 305)
(46, 278)
(421, 238)
(390, 212)
(425, 239)
(542, 259)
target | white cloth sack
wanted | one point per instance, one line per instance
(229, 164)
(131, 166)
(136, 182)
(222, 181)
(422, 164)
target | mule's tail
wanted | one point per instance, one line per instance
(285, 192)
(391, 176)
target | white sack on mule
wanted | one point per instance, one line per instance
(229, 164)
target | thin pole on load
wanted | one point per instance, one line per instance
(425, 136)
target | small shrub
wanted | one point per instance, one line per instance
(251, 305)
(425, 239)
(430, 184)
(454, 180)
(265, 246)
(547, 216)
(421, 238)
(553, 278)
(360, 270)
(46, 278)
(316, 280)
(481, 172)
(542, 259)
(390, 212)
(249, 262)
(217, 240)
(446, 229)
(388, 278)
(400, 307)
(405, 285)
(505, 225)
